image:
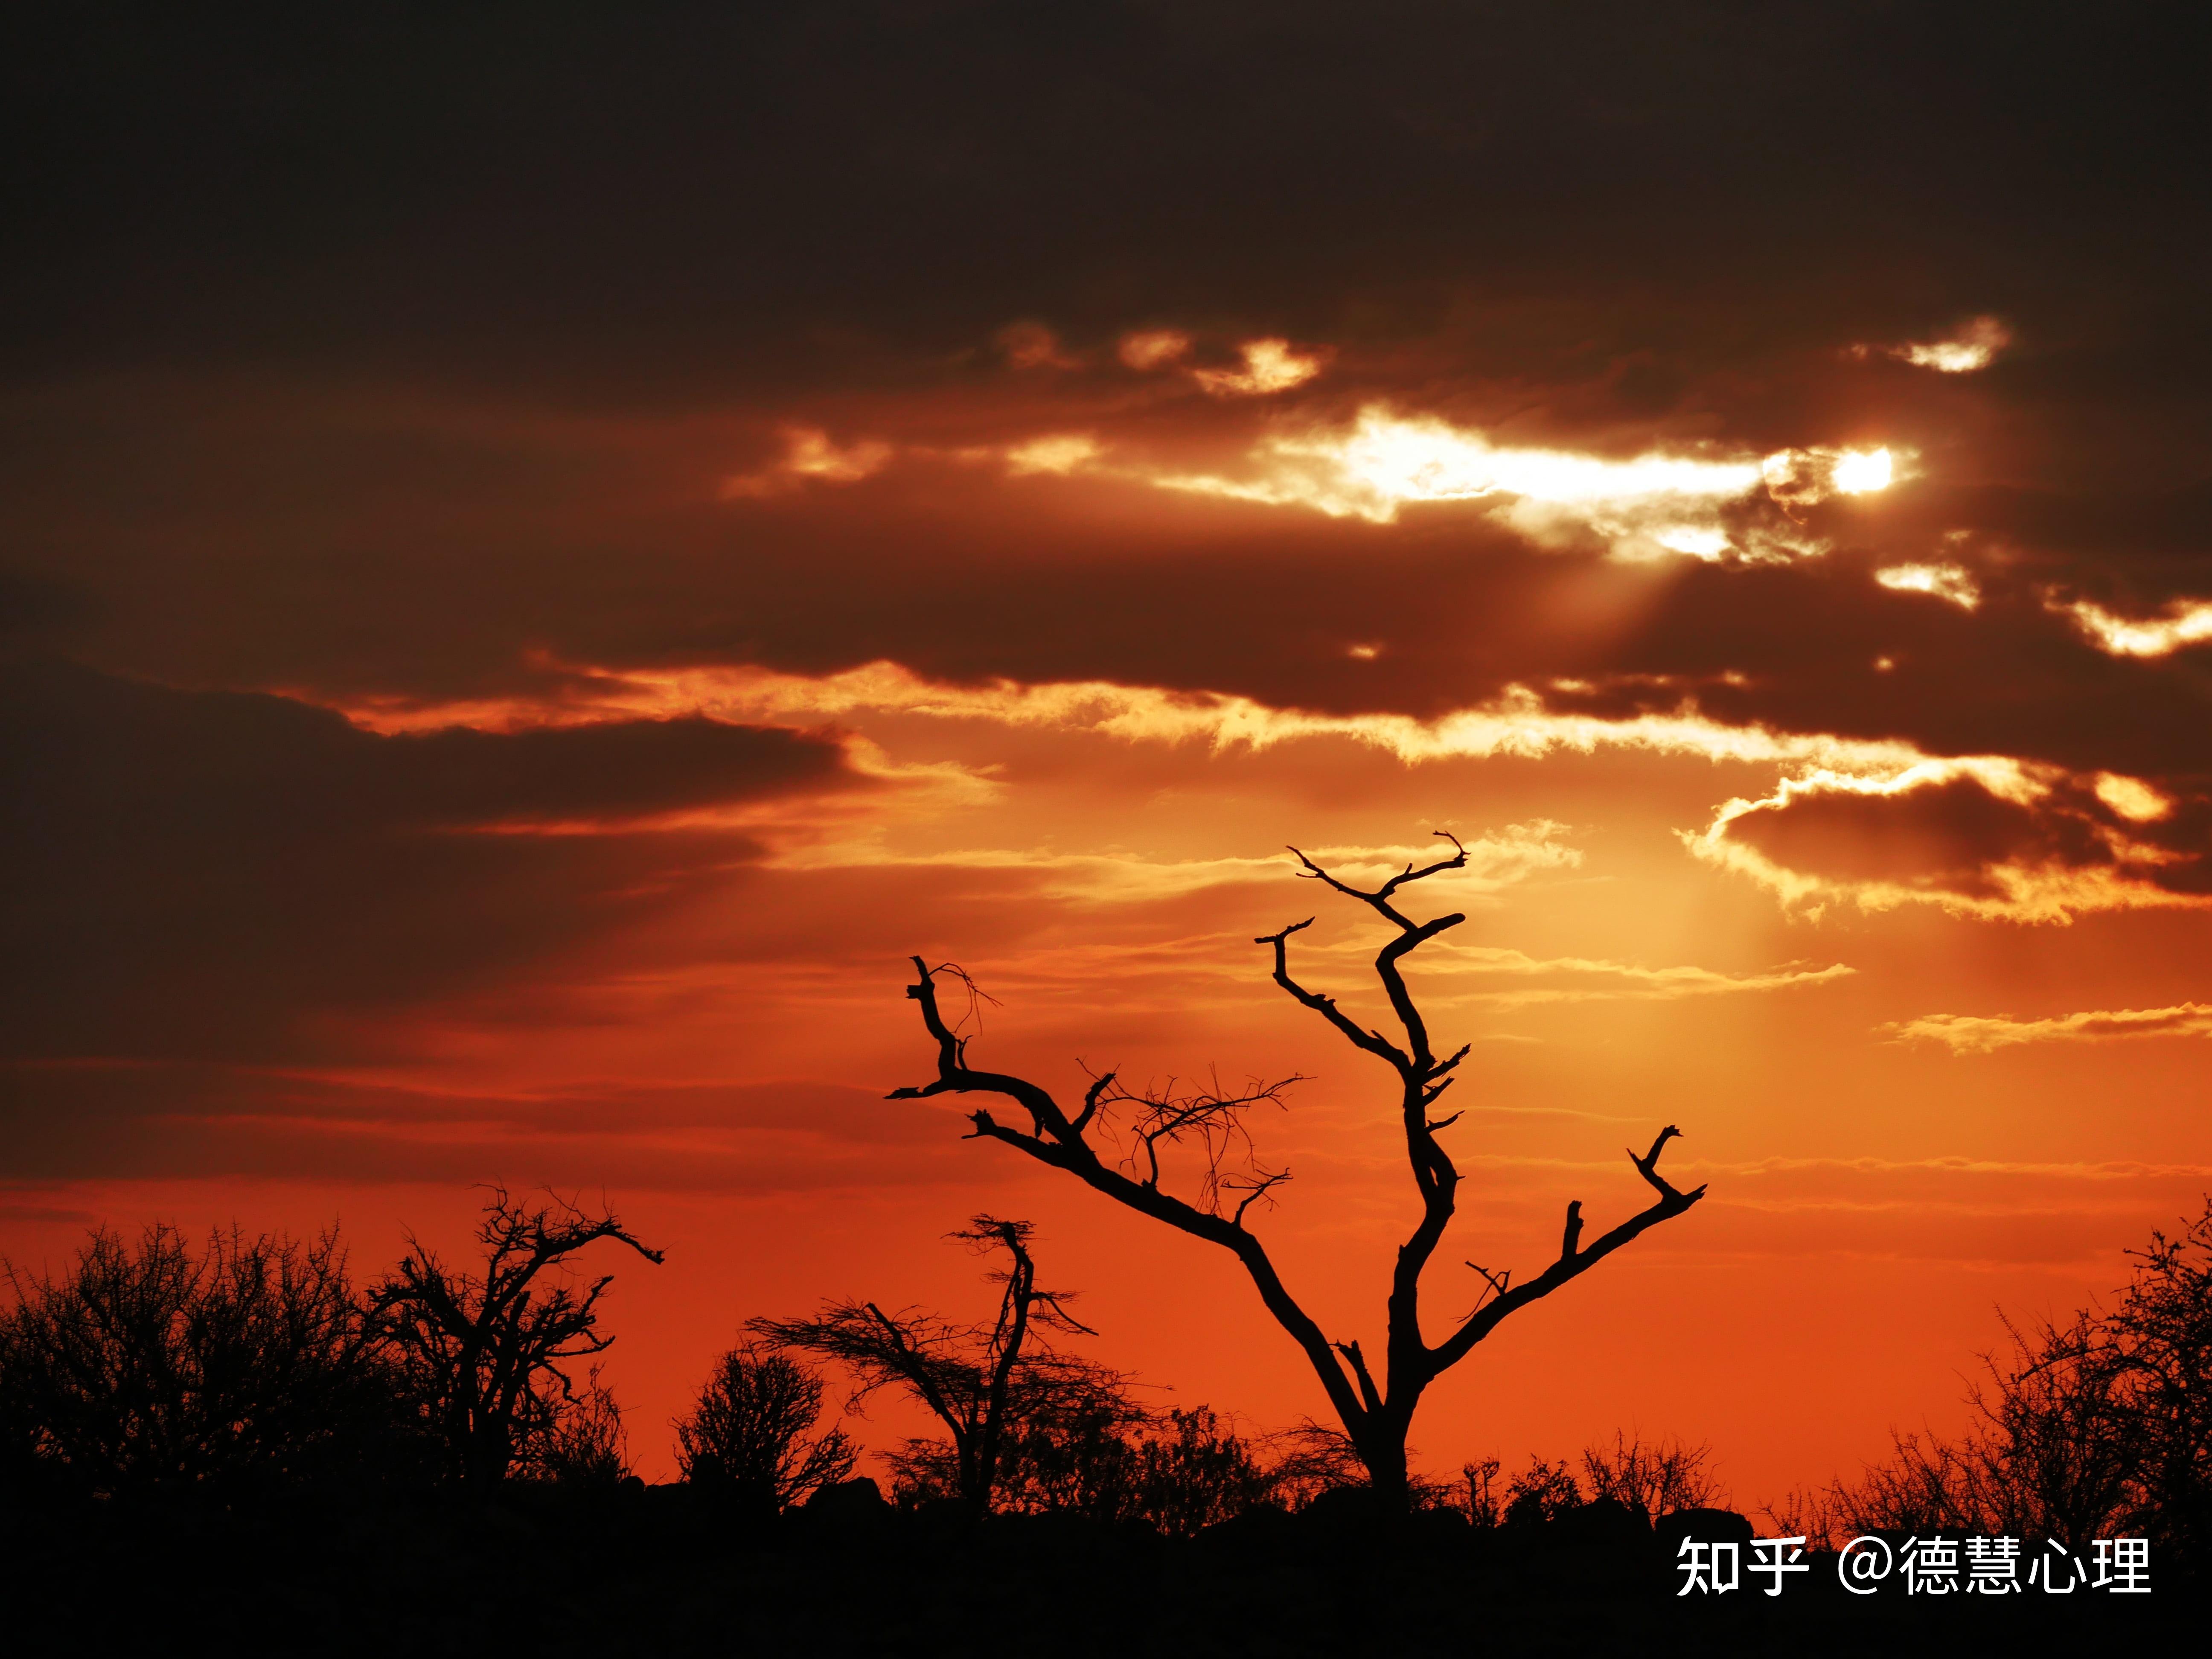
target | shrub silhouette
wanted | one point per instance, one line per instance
(232, 1369)
(586, 1444)
(752, 1432)
(1653, 1480)
(2098, 1425)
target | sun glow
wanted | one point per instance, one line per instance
(1645, 506)
(1862, 473)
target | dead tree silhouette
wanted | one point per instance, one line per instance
(1377, 1413)
(981, 1384)
(483, 1354)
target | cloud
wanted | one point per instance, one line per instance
(1057, 455)
(1145, 349)
(1577, 979)
(810, 456)
(1951, 583)
(1032, 345)
(1646, 506)
(1973, 346)
(1518, 723)
(1971, 1034)
(198, 873)
(198, 1121)
(1270, 366)
(1874, 823)
(1494, 861)
(2186, 622)
(1986, 837)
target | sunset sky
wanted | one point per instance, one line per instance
(548, 550)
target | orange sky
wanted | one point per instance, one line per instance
(489, 716)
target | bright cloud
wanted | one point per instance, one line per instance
(2186, 622)
(810, 454)
(1973, 345)
(1056, 455)
(1270, 366)
(1949, 583)
(2039, 885)
(1494, 861)
(1577, 979)
(1145, 349)
(2031, 883)
(1971, 1033)
(1645, 506)
(1515, 723)
(2131, 798)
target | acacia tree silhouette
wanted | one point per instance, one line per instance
(1377, 1415)
(981, 1383)
(483, 1354)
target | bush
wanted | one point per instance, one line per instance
(237, 1368)
(586, 1444)
(2099, 1426)
(750, 1434)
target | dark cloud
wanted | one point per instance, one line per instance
(1960, 838)
(405, 355)
(81, 1122)
(653, 188)
(195, 872)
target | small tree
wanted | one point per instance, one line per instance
(483, 1354)
(983, 1382)
(234, 1368)
(750, 1433)
(1377, 1412)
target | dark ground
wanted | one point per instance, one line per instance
(657, 1573)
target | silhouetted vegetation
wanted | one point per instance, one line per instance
(304, 1421)
(1376, 1403)
(483, 1354)
(234, 1369)
(2098, 1424)
(752, 1432)
(994, 1386)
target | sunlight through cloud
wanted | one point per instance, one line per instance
(1949, 583)
(1270, 366)
(2186, 622)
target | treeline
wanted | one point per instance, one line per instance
(257, 1363)
(253, 1364)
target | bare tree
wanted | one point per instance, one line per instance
(982, 1383)
(484, 1353)
(751, 1432)
(1377, 1412)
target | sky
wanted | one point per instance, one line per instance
(549, 549)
